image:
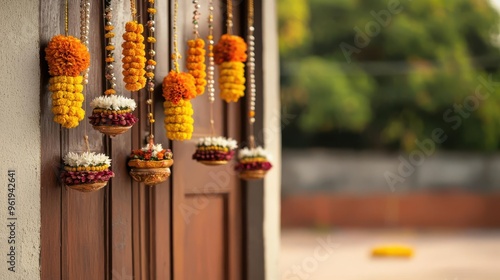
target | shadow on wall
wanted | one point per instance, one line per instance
(347, 188)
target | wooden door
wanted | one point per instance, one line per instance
(194, 226)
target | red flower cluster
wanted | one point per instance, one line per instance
(71, 178)
(164, 154)
(255, 165)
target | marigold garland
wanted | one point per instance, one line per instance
(134, 59)
(230, 53)
(196, 63)
(67, 57)
(178, 120)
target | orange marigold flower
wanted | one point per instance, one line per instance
(177, 86)
(230, 48)
(66, 56)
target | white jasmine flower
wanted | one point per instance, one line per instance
(251, 153)
(113, 102)
(229, 143)
(86, 159)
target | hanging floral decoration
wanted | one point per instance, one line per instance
(230, 55)
(178, 89)
(213, 150)
(195, 62)
(111, 114)
(134, 55)
(253, 162)
(150, 165)
(67, 58)
(86, 171)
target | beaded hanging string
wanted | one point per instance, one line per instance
(84, 38)
(150, 68)
(251, 72)
(253, 162)
(178, 89)
(211, 65)
(109, 49)
(213, 150)
(230, 55)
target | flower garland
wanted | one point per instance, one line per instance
(230, 55)
(67, 58)
(215, 149)
(178, 89)
(114, 110)
(86, 168)
(195, 62)
(134, 56)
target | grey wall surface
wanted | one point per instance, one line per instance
(365, 172)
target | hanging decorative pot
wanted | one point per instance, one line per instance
(112, 115)
(151, 164)
(86, 172)
(215, 150)
(253, 163)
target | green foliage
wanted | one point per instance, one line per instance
(385, 73)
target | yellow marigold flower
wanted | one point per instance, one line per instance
(109, 35)
(151, 40)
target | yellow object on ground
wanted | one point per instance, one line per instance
(392, 251)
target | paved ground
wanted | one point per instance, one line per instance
(345, 255)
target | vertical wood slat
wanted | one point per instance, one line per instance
(121, 188)
(50, 255)
(83, 213)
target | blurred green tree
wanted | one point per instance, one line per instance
(385, 73)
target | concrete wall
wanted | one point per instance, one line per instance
(364, 172)
(20, 135)
(272, 133)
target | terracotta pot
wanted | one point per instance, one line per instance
(150, 176)
(138, 164)
(88, 187)
(111, 130)
(252, 174)
(213, 162)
